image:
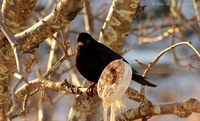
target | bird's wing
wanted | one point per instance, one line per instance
(110, 55)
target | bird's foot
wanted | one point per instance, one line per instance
(72, 88)
(92, 90)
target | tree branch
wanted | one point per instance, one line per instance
(64, 12)
(48, 85)
(15, 19)
(16, 15)
(196, 4)
(89, 27)
(118, 23)
(181, 109)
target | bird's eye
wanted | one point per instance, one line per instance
(87, 41)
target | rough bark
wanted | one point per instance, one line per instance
(64, 12)
(16, 20)
(118, 23)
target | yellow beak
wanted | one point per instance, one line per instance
(80, 44)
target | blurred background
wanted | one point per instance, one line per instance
(176, 73)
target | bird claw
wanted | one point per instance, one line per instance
(74, 89)
(92, 90)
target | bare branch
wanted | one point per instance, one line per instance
(134, 95)
(197, 9)
(181, 109)
(159, 37)
(62, 15)
(89, 27)
(152, 63)
(118, 23)
(49, 85)
(15, 17)
(179, 15)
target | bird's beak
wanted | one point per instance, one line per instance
(80, 44)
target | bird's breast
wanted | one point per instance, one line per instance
(89, 66)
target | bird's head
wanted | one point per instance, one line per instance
(84, 39)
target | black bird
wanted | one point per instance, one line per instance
(92, 57)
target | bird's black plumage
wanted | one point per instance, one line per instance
(92, 57)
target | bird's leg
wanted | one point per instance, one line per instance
(92, 90)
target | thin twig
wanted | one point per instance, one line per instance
(178, 15)
(140, 63)
(160, 37)
(56, 65)
(51, 54)
(87, 16)
(153, 62)
(196, 4)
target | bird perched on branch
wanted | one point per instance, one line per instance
(92, 57)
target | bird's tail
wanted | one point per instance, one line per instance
(142, 80)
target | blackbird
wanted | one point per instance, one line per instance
(92, 57)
